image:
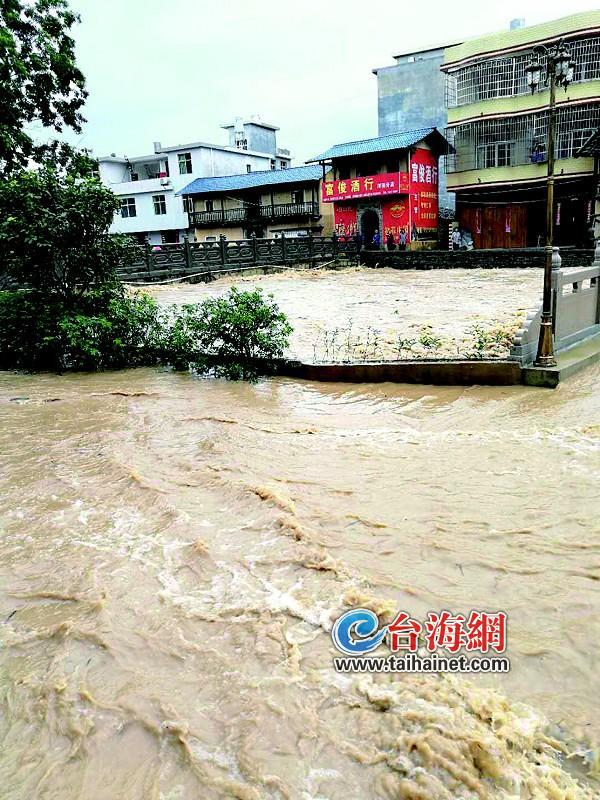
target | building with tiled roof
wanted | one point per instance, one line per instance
(385, 189)
(265, 204)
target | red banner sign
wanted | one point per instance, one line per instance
(424, 189)
(345, 219)
(367, 186)
(395, 214)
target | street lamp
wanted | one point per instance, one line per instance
(559, 68)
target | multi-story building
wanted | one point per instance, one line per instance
(499, 132)
(148, 186)
(387, 185)
(411, 94)
(591, 149)
(264, 204)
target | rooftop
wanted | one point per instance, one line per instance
(520, 38)
(251, 121)
(425, 50)
(252, 180)
(382, 144)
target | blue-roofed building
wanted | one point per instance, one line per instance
(385, 189)
(149, 187)
(266, 204)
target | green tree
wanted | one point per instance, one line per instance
(39, 79)
(236, 336)
(53, 231)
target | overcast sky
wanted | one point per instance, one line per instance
(176, 70)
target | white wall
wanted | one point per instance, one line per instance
(146, 219)
(206, 162)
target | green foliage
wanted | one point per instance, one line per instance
(104, 329)
(234, 336)
(429, 340)
(405, 345)
(53, 230)
(486, 342)
(39, 79)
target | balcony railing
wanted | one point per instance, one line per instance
(279, 210)
(235, 216)
(230, 216)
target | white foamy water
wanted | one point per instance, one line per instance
(174, 552)
(362, 313)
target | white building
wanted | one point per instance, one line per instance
(147, 185)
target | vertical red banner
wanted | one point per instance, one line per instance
(345, 219)
(395, 218)
(424, 193)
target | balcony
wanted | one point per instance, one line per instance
(237, 216)
(230, 216)
(289, 211)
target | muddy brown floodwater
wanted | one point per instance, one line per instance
(361, 313)
(173, 552)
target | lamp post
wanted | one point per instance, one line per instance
(558, 66)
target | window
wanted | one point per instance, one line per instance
(494, 154)
(503, 157)
(283, 164)
(569, 141)
(128, 207)
(160, 204)
(210, 239)
(188, 205)
(248, 167)
(273, 164)
(210, 205)
(185, 163)
(298, 196)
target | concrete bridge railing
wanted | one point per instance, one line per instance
(576, 305)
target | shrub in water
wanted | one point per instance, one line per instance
(235, 336)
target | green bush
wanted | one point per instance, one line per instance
(53, 232)
(235, 336)
(104, 329)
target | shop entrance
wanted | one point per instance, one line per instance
(369, 223)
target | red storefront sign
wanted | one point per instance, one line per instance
(367, 186)
(345, 220)
(424, 189)
(395, 214)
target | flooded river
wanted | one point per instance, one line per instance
(174, 551)
(356, 314)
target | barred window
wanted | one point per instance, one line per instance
(517, 140)
(505, 77)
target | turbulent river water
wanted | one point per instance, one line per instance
(357, 313)
(173, 553)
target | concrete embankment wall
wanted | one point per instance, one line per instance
(440, 373)
(514, 258)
